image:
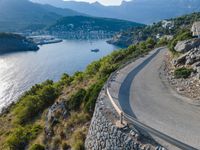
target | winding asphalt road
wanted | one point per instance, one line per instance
(146, 96)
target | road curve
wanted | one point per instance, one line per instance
(144, 95)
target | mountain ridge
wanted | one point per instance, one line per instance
(143, 11)
(83, 27)
(17, 15)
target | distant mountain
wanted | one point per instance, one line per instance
(144, 11)
(18, 14)
(86, 27)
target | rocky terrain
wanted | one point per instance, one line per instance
(189, 57)
(163, 29)
(13, 42)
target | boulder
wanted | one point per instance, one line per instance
(187, 45)
(198, 76)
(198, 70)
(189, 61)
(192, 57)
(180, 60)
(196, 65)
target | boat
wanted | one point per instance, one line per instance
(95, 50)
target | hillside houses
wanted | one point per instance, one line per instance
(167, 24)
(196, 29)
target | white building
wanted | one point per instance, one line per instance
(167, 24)
(196, 29)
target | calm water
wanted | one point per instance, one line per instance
(19, 71)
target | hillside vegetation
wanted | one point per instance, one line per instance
(85, 23)
(85, 27)
(135, 35)
(57, 115)
(18, 15)
(13, 42)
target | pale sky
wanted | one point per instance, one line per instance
(104, 2)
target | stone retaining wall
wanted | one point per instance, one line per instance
(105, 135)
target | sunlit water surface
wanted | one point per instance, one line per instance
(19, 71)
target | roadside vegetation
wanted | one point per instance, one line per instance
(183, 72)
(23, 125)
(183, 34)
(181, 24)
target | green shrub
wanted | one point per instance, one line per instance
(78, 77)
(180, 36)
(142, 45)
(31, 105)
(91, 96)
(76, 99)
(37, 147)
(18, 139)
(150, 43)
(47, 95)
(65, 80)
(107, 67)
(162, 42)
(27, 110)
(182, 72)
(93, 68)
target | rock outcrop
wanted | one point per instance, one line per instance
(121, 40)
(191, 58)
(187, 45)
(56, 112)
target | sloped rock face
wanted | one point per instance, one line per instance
(122, 40)
(187, 45)
(55, 112)
(190, 59)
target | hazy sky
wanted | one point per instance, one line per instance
(104, 2)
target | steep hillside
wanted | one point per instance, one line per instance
(156, 30)
(144, 11)
(13, 43)
(57, 115)
(83, 26)
(15, 14)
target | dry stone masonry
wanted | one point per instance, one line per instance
(105, 135)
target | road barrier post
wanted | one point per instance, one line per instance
(122, 118)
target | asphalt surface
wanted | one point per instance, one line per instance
(144, 95)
